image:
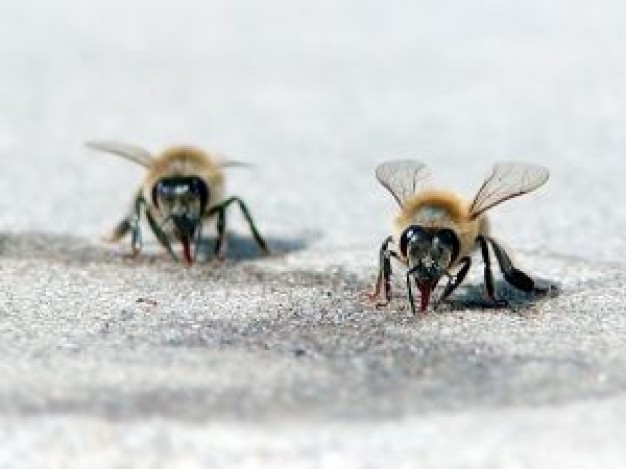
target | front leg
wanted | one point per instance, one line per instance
(160, 235)
(409, 276)
(198, 241)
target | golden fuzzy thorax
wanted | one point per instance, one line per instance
(186, 161)
(441, 209)
(433, 208)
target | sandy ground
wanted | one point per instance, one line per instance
(280, 361)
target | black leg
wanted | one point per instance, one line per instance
(246, 213)
(456, 280)
(489, 282)
(120, 230)
(221, 232)
(134, 222)
(384, 273)
(160, 235)
(198, 240)
(386, 268)
(511, 274)
(409, 276)
(129, 224)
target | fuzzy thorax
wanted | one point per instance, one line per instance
(433, 208)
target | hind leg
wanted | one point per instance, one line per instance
(512, 274)
(455, 280)
(383, 280)
(129, 224)
(220, 211)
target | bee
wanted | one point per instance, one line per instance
(183, 188)
(437, 231)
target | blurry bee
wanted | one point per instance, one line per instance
(437, 231)
(182, 189)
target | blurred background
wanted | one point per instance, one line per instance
(315, 94)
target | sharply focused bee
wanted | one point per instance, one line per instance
(183, 188)
(437, 231)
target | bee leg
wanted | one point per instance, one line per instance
(198, 241)
(455, 281)
(410, 292)
(129, 224)
(511, 274)
(120, 230)
(489, 282)
(246, 213)
(134, 227)
(136, 243)
(220, 243)
(160, 235)
(384, 274)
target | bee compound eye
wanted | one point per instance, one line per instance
(164, 190)
(413, 231)
(156, 190)
(200, 189)
(448, 238)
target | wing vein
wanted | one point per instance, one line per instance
(506, 181)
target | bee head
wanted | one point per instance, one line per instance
(430, 253)
(183, 199)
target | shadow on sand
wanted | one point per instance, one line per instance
(474, 296)
(72, 249)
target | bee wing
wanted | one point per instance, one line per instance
(224, 161)
(507, 180)
(130, 152)
(402, 177)
(235, 164)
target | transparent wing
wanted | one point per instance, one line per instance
(234, 164)
(130, 152)
(507, 180)
(402, 177)
(224, 161)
